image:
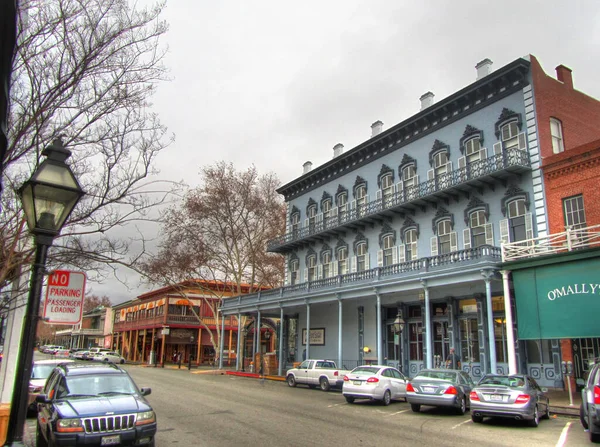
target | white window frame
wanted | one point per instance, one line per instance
(473, 150)
(574, 211)
(440, 163)
(557, 136)
(406, 179)
(509, 133)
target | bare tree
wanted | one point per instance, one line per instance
(220, 233)
(86, 70)
(91, 302)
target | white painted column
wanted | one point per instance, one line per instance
(339, 333)
(487, 275)
(239, 342)
(379, 343)
(281, 328)
(307, 330)
(429, 358)
(510, 337)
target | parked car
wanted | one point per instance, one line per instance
(93, 404)
(509, 396)
(62, 353)
(96, 350)
(74, 351)
(51, 349)
(374, 382)
(589, 412)
(439, 388)
(39, 373)
(322, 373)
(111, 357)
(82, 355)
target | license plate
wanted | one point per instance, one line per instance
(111, 440)
(496, 398)
(356, 382)
(428, 389)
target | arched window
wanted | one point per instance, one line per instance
(410, 244)
(472, 150)
(518, 225)
(311, 267)
(294, 266)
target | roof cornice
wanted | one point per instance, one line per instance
(481, 93)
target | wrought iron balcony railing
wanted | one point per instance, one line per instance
(513, 158)
(422, 265)
(572, 239)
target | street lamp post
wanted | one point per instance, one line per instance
(397, 328)
(48, 198)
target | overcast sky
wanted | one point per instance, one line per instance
(278, 83)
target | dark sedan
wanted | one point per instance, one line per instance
(439, 388)
(516, 396)
(93, 404)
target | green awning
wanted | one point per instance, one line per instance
(560, 300)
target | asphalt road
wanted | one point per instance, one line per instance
(219, 410)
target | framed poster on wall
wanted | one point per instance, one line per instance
(317, 336)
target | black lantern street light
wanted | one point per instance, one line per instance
(48, 198)
(397, 328)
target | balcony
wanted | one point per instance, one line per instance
(88, 331)
(475, 176)
(460, 260)
(572, 239)
(185, 320)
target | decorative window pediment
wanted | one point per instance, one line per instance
(386, 230)
(326, 249)
(385, 170)
(470, 132)
(506, 116)
(360, 239)
(295, 211)
(438, 146)
(476, 204)
(359, 182)
(406, 160)
(310, 254)
(341, 244)
(442, 214)
(409, 224)
(325, 198)
(514, 192)
(293, 259)
(340, 191)
(311, 203)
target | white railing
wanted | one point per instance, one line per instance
(572, 239)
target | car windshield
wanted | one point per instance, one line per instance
(41, 371)
(509, 381)
(101, 384)
(438, 375)
(365, 370)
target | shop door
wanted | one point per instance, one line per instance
(441, 342)
(585, 350)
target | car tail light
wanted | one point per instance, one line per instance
(522, 399)
(474, 396)
(597, 395)
(450, 390)
(372, 380)
(346, 379)
(409, 387)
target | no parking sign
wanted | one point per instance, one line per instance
(64, 297)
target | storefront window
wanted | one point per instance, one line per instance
(469, 340)
(415, 334)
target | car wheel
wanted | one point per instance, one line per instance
(477, 419)
(40, 441)
(324, 384)
(387, 398)
(536, 418)
(291, 380)
(462, 409)
(349, 399)
(415, 407)
(106, 360)
(582, 418)
(547, 412)
(122, 361)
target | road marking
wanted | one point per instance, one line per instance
(563, 435)
(458, 425)
(334, 405)
(397, 412)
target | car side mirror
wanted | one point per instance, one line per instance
(146, 391)
(42, 399)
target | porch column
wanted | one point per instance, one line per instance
(429, 358)
(379, 344)
(339, 332)
(253, 340)
(144, 347)
(239, 342)
(510, 336)
(198, 359)
(280, 366)
(258, 339)
(222, 341)
(487, 277)
(307, 330)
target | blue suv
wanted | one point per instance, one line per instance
(93, 404)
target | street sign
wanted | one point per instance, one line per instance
(64, 297)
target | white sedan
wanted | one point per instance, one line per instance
(374, 382)
(112, 357)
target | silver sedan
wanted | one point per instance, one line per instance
(439, 388)
(374, 382)
(515, 396)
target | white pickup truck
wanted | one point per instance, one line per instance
(322, 373)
